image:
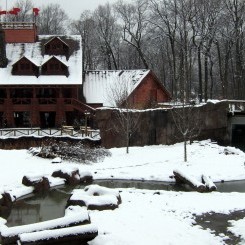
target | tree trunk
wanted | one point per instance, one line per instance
(199, 73)
(185, 150)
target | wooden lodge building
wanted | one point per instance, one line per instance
(42, 83)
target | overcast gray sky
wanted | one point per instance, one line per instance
(72, 7)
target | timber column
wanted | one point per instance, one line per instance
(35, 115)
(3, 57)
(8, 110)
(60, 107)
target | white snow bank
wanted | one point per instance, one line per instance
(2, 221)
(35, 179)
(59, 233)
(95, 195)
(75, 209)
(57, 160)
(19, 191)
(85, 174)
(238, 228)
(55, 181)
(94, 190)
(80, 195)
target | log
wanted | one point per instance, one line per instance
(72, 235)
(183, 178)
(206, 180)
(9, 235)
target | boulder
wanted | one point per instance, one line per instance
(72, 177)
(39, 183)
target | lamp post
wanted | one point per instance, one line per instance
(87, 114)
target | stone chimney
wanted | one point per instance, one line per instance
(3, 57)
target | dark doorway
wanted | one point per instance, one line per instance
(238, 136)
(47, 119)
(69, 118)
(22, 119)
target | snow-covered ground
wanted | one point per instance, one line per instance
(146, 216)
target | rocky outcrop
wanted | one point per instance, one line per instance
(40, 184)
(156, 126)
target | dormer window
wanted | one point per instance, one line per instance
(25, 67)
(56, 46)
(54, 66)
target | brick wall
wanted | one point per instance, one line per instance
(20, 35)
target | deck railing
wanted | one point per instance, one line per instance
(18, 25)
(64, 131)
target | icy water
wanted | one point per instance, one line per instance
(51, 205)
(219, 223)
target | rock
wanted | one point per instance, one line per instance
(72, 177)
(39, 183)
(57, 160)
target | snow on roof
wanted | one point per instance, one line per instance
(48, 57)
(97, 84)
(28, 58)
(33, 51)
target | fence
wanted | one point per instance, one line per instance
(64, 131)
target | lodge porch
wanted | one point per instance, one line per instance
(44, 107)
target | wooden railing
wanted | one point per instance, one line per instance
(64, 131)
(17, 25)
(47, 101)
(236, 105)
(21, 101)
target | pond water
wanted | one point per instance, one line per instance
(52, 204)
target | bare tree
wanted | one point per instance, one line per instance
(107, 29)
(134, 18)
(187, 121)
(127, 119)
(52, 20)
(25, 12)
(86, 27)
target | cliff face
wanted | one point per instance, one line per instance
(158, 127)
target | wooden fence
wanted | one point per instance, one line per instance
(64, 131)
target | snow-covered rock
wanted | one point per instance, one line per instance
(95, 197)
(56, 160)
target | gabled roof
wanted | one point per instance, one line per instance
(56, 38)
(34, 53)
(97, 84)
(48, 58)
(29, 59)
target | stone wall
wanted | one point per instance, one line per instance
(26, 142)
(157, 126)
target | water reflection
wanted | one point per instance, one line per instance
(231, 186)
(52, 204)
(39, 208)
(149, 185)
